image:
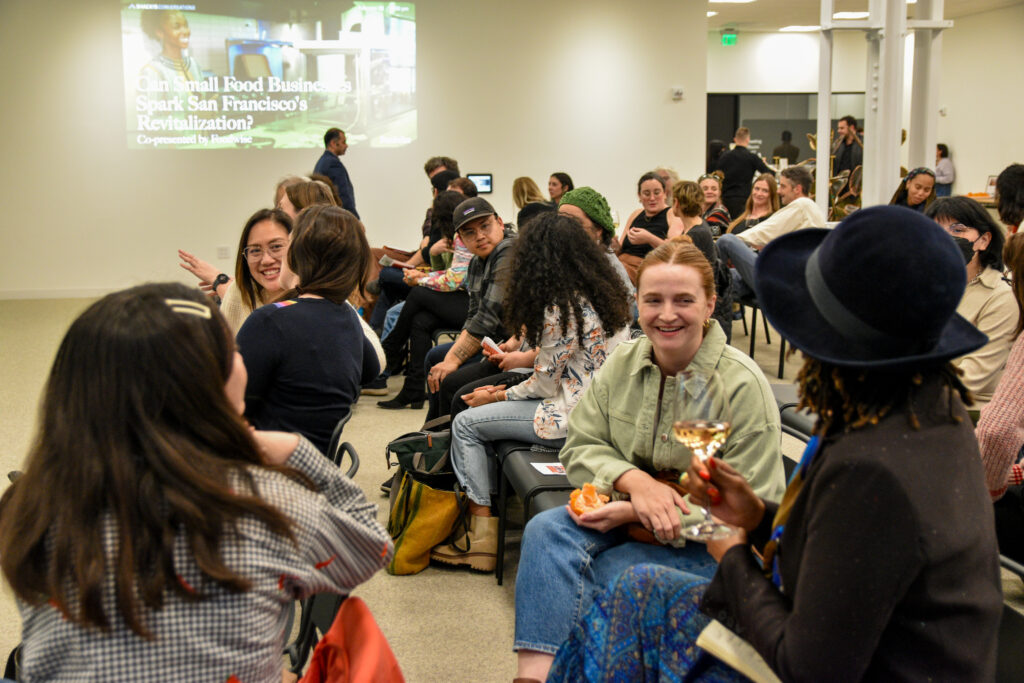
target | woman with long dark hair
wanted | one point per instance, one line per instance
(567, 301)
(306, 353)
(153, 535)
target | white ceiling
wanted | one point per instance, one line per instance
(771, 15)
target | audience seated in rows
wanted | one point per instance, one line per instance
(798, 211)
(761, 204)
(866, 575)
(687, 202)
(618, 439)
(988, 302)
(568, 303)
(438, 301)
(180, 537)
(648, 226)
(1000, 430)
(306, 354)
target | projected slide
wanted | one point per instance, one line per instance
(268, 73)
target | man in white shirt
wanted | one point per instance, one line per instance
(798, 211)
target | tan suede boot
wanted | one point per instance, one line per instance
(482, 540)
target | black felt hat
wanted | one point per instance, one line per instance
(878, 291)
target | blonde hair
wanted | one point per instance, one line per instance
(773, 199)
(525, 191)
(689, 197)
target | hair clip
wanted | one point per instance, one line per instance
(919, 170)
(189, 307)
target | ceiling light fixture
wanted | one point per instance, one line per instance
(799, 29)
(712, 14)
(730, 2)
(851, 15)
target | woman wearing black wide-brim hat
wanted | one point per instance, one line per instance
(880, 562)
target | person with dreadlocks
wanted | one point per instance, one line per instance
(880, 562)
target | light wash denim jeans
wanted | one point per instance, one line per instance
(743, 260)
(472, 432)
(563, 566)
(391, 318)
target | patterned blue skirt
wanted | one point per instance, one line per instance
(644, 628)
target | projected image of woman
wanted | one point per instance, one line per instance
(164, 77)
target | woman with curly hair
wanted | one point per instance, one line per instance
(570, 303)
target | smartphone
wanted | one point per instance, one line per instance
(488, 343)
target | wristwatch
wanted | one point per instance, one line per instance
(221, 279)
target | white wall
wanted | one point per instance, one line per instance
(512, 88)
(784, 63)
(981, 88)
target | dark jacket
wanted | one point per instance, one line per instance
(739, 166)
(330, 165)
(888, 560)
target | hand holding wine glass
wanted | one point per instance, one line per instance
(702, 424)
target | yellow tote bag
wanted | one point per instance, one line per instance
(421, 518)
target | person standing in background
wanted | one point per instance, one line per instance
(739, 166)
(847, 148)
(945, 174)
(787, 150)
(330, 165)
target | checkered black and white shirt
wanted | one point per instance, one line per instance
(340, 544)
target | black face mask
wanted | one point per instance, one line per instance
(966, 248)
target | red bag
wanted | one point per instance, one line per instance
(354, 650)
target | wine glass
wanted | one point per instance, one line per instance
(703, 420)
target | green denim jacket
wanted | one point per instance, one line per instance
(613, 430)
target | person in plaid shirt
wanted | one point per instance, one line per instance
(153, 535)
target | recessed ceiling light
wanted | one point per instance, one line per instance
(712, 14)
(799, 29)
(733, 2)
(851, 15)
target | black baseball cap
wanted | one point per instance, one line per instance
(474, 207)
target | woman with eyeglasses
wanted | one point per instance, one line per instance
(916, 191)
(262, 248)
(306, 353)
(648, 227)
(988, 302)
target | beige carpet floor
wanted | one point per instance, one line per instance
(443, 624)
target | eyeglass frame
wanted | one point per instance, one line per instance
(274, 246)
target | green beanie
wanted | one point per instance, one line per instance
(593, 204)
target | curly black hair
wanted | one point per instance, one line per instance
(555, 263)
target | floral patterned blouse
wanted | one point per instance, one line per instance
(563, 369)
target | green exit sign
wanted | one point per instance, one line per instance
(728, 39)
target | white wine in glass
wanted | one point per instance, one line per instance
(703, 420)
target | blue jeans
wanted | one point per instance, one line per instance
(474, 428)
(563, 566)
(743, 260)
(391, 318)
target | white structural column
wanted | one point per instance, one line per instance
(883, 129)
(824, 133)
(924, 95)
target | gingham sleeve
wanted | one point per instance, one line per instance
(340, 542)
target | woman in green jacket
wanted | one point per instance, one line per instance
(620, 440)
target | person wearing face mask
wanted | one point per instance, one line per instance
(988, 302)
(916, 191)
